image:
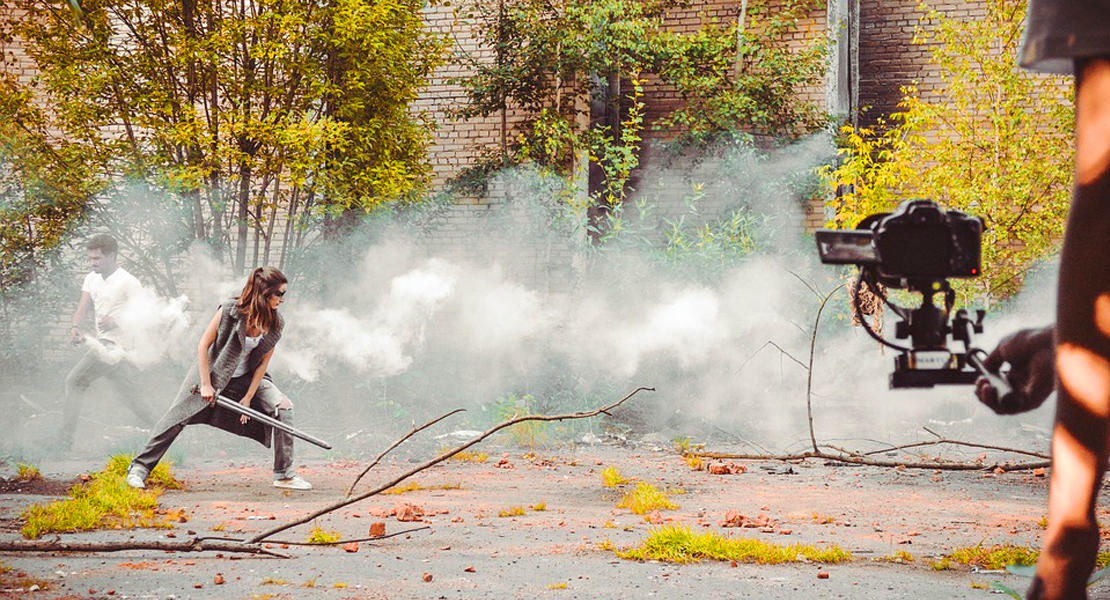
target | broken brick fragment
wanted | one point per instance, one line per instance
(733, 518)
(409, 512)
(377, 529)
(822, 574)
(726, 469)
(427, 577)
(350, 547)
(218, 579)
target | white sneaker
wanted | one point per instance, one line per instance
(135, 480)
(293, 483)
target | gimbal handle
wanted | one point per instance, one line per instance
(964, 329)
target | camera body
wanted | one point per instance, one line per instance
(919, 241)
(917, 247)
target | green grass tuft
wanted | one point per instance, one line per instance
(515, 511)
(319, 536)
(106, 501)
(611, 477)
(646, 498)
(159, 477)
(678, 544)
(988, 557)
(27, 472)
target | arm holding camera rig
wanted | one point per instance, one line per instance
(1031, 354)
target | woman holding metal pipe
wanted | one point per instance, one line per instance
(232, 357)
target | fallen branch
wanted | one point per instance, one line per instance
(376, 538)
(856, 459)
(194, 545)
(943, 440)
(400, 441)
(435, 461)
(255, 545)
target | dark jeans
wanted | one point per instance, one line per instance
(268, 393)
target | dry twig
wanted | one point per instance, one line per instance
(198, 544)
(435, 461)
(399, 441)
(254, 545)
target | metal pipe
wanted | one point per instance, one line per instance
(232, 405)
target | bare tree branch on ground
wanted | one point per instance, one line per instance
(257, 543)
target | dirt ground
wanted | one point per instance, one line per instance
(468, 550)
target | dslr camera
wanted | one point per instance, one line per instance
(918, 247)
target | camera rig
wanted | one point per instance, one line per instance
(918, 247)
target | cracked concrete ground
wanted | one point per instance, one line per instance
(470, 551)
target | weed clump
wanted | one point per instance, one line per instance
(646, 498)
(611, 477)
(678, 544)
(415, 486)
(468, 456)
(27, 472)
(988, 557)
(105, 501)
(516, 511)
(159, 477)
(320, 536)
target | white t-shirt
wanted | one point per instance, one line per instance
(110, 297)
(249, 344)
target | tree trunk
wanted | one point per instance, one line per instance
(243, 199)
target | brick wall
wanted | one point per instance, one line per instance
(888, 58)
(15, 61)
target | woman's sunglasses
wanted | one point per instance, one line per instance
(280, 294)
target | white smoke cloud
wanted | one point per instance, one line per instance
(156, 326)
(379, 343)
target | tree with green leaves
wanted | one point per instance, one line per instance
(995, 142)
(577, 70)
(248, 120)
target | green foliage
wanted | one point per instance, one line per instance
(161, 476)
(236, 113)
(678, 544)
(515, 511)
(27, 472)
(995, 142)
(646, 498)
(744, 78)
(45, 188)
(106, 501)
(611, 477)
(900, 557)
(988, 557)
(320, 536)
(692, 245)
(552, 57)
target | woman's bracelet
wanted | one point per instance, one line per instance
(75, 327)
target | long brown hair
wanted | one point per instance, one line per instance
(254, 302)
